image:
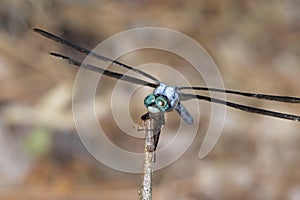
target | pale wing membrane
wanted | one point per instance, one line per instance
(105, 72)
(286, 99)
(92, 53)
(242, 107)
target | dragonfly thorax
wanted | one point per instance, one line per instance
(164, 98)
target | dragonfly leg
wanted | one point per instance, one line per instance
(145, 117)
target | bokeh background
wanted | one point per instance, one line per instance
(256, 45)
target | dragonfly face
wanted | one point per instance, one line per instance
(165, 98)
(156, 104)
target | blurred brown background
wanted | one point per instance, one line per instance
(256, 45)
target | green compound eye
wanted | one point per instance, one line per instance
(149, 100)
(162, 103)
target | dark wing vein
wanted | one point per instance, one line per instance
(105, 72)
(243, 107)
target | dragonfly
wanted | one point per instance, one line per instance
(165, 97)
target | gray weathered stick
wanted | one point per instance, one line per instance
(145, 192)
(152, 126)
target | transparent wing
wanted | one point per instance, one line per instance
(242, 107)
(286, 99)
(92, 53)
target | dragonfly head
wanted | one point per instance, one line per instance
(156, 104)
(164, 98)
